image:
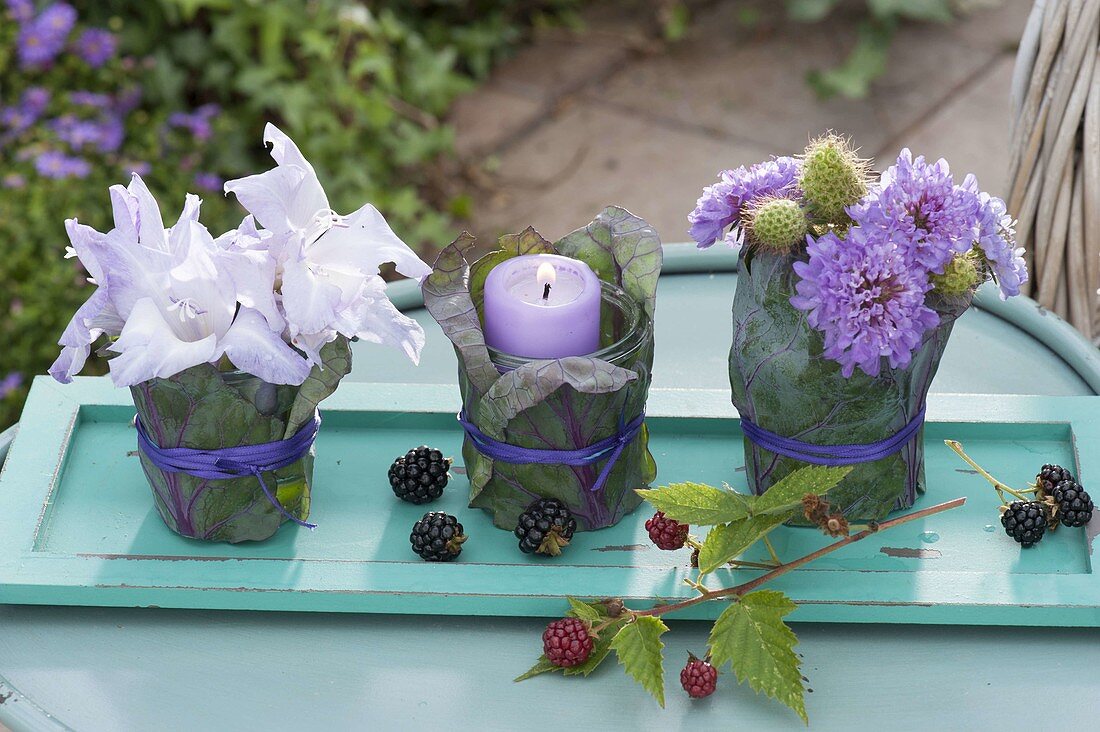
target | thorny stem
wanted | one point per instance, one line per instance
(751, 585)
(1000, 487)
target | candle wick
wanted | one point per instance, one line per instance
(546, 291)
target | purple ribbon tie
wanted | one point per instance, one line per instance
(609, 448)
(235, 462)
(832, 454)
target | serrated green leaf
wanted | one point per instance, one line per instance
(600, 648)
(638, 646)
(727, 541)
(786, 495)
(584, 611)
(752, 637)
(697, 503)
(542, 666)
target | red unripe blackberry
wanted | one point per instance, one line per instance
(666, 533)
(566, 642)
(698, 678)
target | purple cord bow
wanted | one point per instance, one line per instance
(609, 448)
(832, 454)
(235, 462)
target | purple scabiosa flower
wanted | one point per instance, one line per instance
(10, 383)
(13, 180)
(90, 99)
(31, 105)
(721, 204)
(75, 131)
(111, 133)
(865, 298)
(55, 164)
(42, 38)
(16, 119)
(995, 235)
(921, 202)
(96, 46)
(20, 11)
(209, 182)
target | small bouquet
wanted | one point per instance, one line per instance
(846, 297)
(228, 343)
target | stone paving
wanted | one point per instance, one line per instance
(581, 119)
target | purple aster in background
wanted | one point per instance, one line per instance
(43, 37)
(209, 182)
(919, 200)
(96, 46)
(55, 164)
(198, 122)
(20, 10)
(35, 100)
(13, 180)
(865, 299)
(128, 100)
(137, 167)
(90, 99)
(10, 383)
(721, 204)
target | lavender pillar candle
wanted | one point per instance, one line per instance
(542, 306)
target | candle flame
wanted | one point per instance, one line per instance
(546, 274)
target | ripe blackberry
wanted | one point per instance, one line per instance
(666, 533)
(437, 537)
(1025, 521)
(545, 527)
(1074, 505)
(566, 642)
(420, 475)
(698, 678)
(1050, 476)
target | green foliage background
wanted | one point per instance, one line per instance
(362, 86)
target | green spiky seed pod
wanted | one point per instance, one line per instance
(777, 224)
(833, 177)
(961, 274)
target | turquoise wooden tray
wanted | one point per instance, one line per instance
(77, 524)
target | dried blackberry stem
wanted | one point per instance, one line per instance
(1000, 487)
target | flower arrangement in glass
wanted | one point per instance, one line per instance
(847, 294)
(570, 425)
(228, 344)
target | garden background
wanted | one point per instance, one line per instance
(487, 115)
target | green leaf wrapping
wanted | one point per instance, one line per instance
(639, 648)
(698, 504)
(782, 382)
(726, 541)
(321, 382)
(203, 408)
(751, 636)
(560, 404)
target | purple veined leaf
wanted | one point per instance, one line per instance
(525, 242)
(622, 249)
(535, 381)
(447, 298)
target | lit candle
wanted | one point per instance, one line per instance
(542, 306)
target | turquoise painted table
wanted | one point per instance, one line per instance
(111, 669)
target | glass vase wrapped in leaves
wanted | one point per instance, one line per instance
(558, 405)
(228, 344)
(846, 297)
